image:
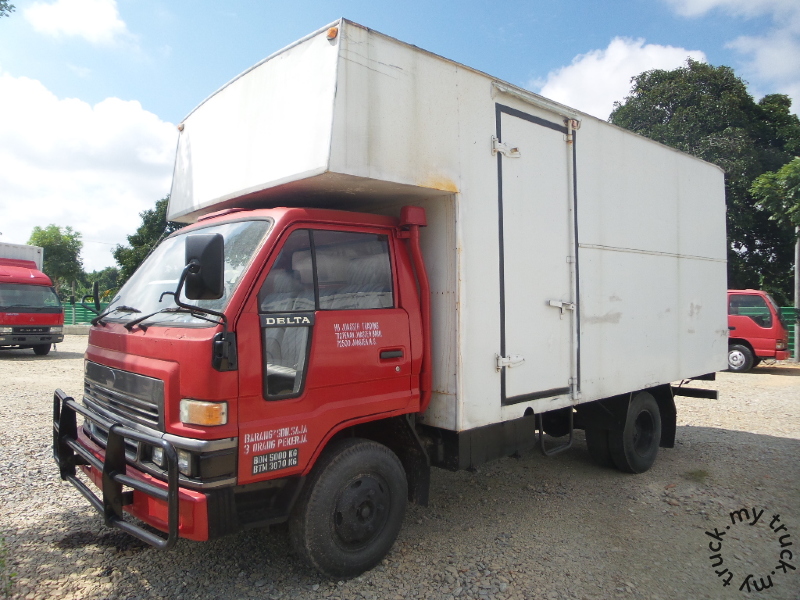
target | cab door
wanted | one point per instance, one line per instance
(334, 347)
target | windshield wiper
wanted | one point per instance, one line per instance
(170, 309)
(121, 308)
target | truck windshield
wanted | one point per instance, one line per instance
(18, 297)
(777, 310)
(161, 271)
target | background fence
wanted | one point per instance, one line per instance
(75, 314)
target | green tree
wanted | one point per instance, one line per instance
(62, 253)
(6, 8)
(108, 281)
(778, 192)
(153, 229)
(707, 111)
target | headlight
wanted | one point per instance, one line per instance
(199, 412)
(780, 344)
(158, 456)
(185, 462)
(57, 329)
(6, 330)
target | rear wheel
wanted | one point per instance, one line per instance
(350, 512)
(740, 358)
(634, 449)
(41, 349)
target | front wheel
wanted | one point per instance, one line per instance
(740, 358)
(41, 349)
(634, 449)
(350, 512)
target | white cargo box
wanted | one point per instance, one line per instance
(22, 252)
(570, 260)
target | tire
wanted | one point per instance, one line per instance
(756, 361)
(740, 358)
(634, 449)
(351, 509)
(597, 443)
(42, 349)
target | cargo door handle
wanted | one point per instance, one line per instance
(562, 306)
(391, 354)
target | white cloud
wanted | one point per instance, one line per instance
(66, 162)
(770, 61)
(97, 21)
(595, 80)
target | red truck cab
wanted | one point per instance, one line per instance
(205, 411)
(31, 315)
(757, 330)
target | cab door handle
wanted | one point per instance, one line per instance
(391, 354)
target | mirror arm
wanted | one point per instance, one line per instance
(192, 267)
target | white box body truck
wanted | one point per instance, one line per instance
(595, 256)
(394, 261)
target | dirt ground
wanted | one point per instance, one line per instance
(722, 506)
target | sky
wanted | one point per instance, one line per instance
(91, 91)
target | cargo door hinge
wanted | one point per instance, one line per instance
(509, 361)
(504, 149)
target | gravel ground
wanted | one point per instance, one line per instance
(526, 527)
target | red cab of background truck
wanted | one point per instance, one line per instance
(757, 330)
(30, 311)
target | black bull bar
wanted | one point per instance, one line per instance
(69, 453)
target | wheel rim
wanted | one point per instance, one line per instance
(736, 359)
(643, 433)
(361, 511)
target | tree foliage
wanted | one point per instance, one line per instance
(778, 192)
(6, 8)
(153, 229)
(108, 281)
(62, 253)
(707, 111)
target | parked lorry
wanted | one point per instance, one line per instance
(31, 315)
(395, 261)
(758, 331)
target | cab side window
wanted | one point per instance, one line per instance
(753, 307)
(353, 270)
(316, 270)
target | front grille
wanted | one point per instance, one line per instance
(129, 398)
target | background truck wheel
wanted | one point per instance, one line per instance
(597, 443)
(351, 509)
(740, 358)
(42, 349)
(634, 449)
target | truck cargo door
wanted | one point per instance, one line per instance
(539, 305)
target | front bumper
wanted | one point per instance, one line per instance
(175, 511)
(28, 340)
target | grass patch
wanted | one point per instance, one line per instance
(6, 575)
(698, 475)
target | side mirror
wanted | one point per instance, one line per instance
(96, 296)
(205, 259)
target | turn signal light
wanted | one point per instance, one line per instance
(199, 412)
(780, 344)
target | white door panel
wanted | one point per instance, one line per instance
(538, 300)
